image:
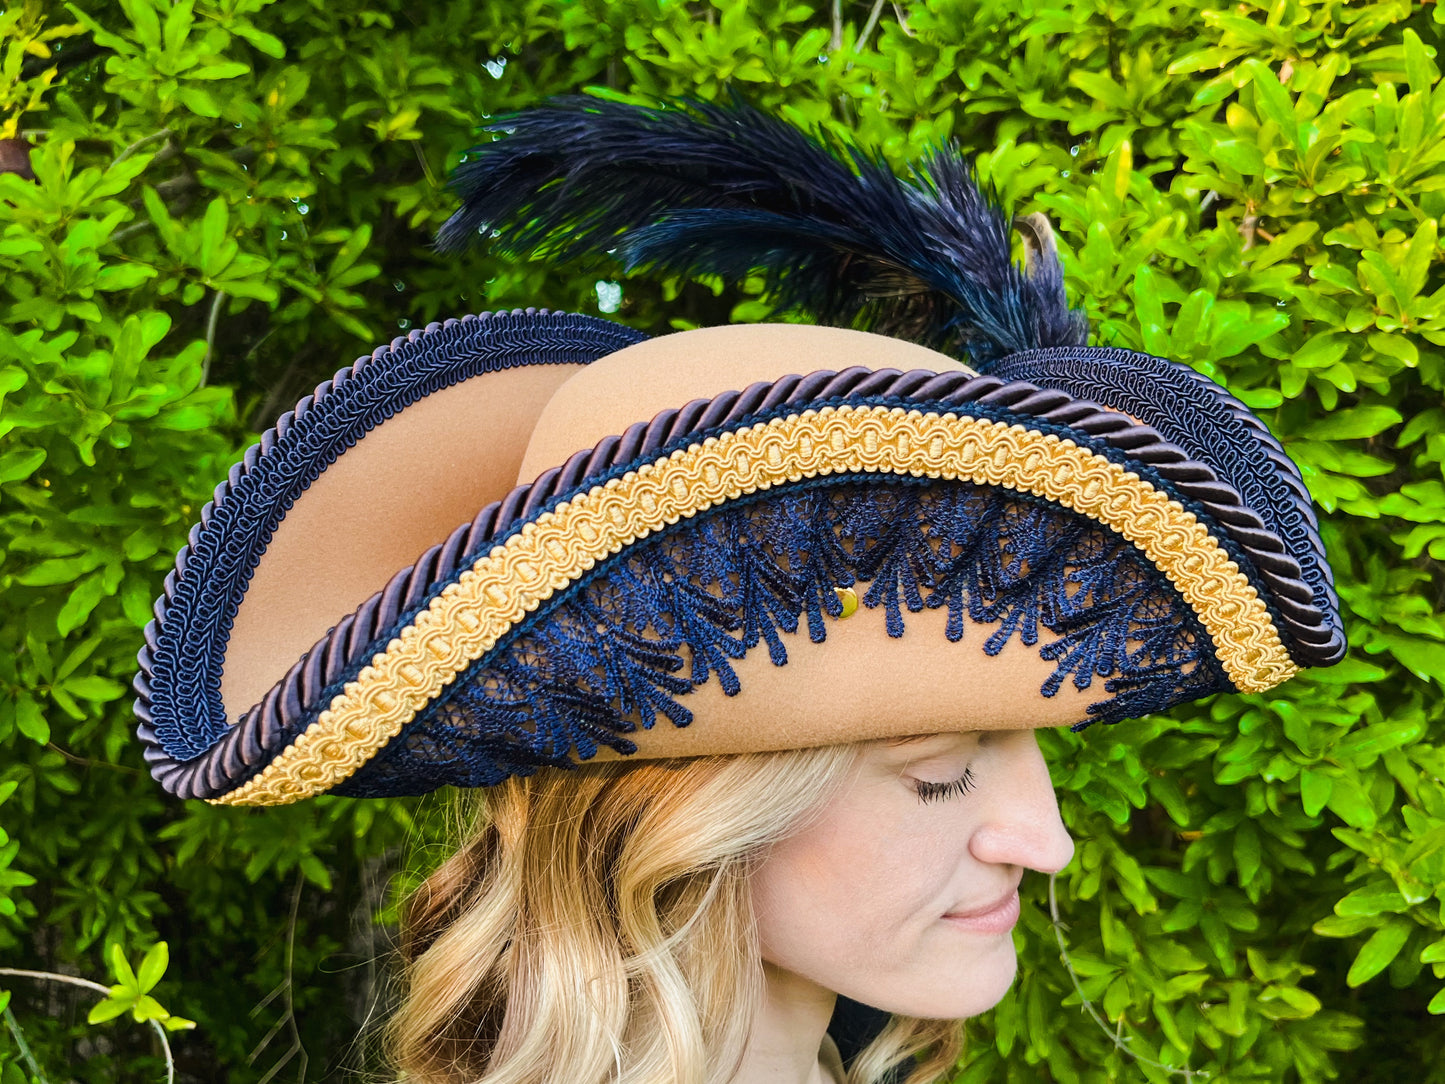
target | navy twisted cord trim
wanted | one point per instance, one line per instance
(178, 687)
(1211, 425)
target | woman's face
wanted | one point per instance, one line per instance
(903, 893)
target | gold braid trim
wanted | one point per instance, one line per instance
(467, 619)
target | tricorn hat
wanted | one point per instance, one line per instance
(533, 538)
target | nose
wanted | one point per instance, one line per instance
(1022, 826)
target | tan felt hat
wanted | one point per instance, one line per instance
(530, 538)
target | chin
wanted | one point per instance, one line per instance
(969, 988)
(990, 985)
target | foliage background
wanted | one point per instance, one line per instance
(232, 198)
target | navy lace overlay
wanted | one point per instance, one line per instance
(621, 650)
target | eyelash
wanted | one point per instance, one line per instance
(938, 792)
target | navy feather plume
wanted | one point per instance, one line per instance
(702, 189)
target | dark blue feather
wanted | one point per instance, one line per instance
(695, 188)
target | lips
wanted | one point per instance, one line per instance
(997, 917)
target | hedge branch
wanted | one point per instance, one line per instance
(19, 1036)
(902, 19)
(211, 336)
(1119, 1040)
(869, 25)
(139, 143)
(104, 991)
(288, 1017)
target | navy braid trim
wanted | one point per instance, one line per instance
(294, 701)
(1199, 416)
(178, 686)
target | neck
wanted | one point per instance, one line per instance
(787, 1031)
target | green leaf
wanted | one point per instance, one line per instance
(29, 719)
(315, 872)
(1349, 671)
(184, 418)
(1247, 853)
(1378, 738)
(1377, 953)
(1202, 60)
(1271, 99)
(123, 276)
(350, 250)
(1351, 803)
(1315, 789)
(1423, 658)
(1419, 255)
(1118, 168)
(145, 22)
(266, 43)
(213, 237)
(57, 570)
(94, 687)
(19, 246)
(82, 601)
(153, 966)
(1396, 346)
(199, 101)
(1322, 351)
(108, 1009)
(20, 464)
(147, 1008)
(1372, 900)
(1420, 71)
(120, 968)
(1149, 311)
(1236, 329)
(1241, 156)
(1336, 926)
(1101, 88)
(1354, 424)
(227, 70)
(177, 26)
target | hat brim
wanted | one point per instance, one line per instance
(397, 655)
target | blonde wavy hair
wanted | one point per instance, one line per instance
(596, 925)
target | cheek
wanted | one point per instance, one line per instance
(855, 905)
(853, 894)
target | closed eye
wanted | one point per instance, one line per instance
(938, 792)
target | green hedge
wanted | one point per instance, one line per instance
(233, 198)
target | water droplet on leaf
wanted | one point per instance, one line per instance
(609, 296)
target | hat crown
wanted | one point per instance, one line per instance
(641, 381)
